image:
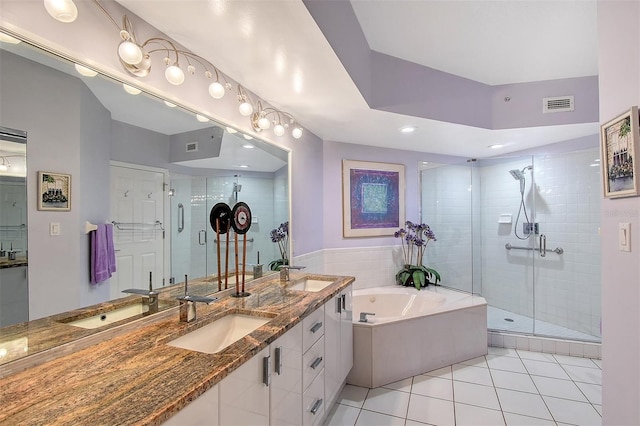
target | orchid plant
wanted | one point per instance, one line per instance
(414, 241)
(280, 236)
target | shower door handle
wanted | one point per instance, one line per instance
(180, 217)
(202, 241)
(543, 245)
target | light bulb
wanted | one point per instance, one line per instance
(87, 72)
(231, 130)
(201, 118)
(131, 90)
(216, 90)
(61, 10)
(174, 75)
(296, 132)
(245, 109)
(264, 123)
(130, 53)
(6, 38)
(278, 129)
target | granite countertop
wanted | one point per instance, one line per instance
(136, 378)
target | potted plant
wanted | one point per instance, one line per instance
(414, 242)
(280, 236)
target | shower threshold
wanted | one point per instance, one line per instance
(502, 320)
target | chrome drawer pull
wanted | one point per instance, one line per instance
(317, 326)
(316, 406)
(316, 362)
(278, 355)
(266, 374)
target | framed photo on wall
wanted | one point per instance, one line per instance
(54, 192)
(373, 197)
(619, 146)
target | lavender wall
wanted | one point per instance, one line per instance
(619, 64)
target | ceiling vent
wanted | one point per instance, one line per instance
(192, 147)
(557, 104)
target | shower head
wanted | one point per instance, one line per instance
(517, 174)
(237, 187)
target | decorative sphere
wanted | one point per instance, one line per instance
(216, 90)
(130, 53)
(264, 123)
(245, 109)
(278, 130)
(296, 132)
(174, 75)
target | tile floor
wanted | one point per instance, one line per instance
(506, 387)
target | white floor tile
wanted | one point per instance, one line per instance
(573, 412)
(514, 381)
(523, 403)
(476, 362)
(537, 356)
(547, 369)
(477, 416)
(584, 374)
(353, 396)
(519, 420)
(559, 388)
(414, 423)
(467, 373)
(401, 385)
(574, 360)
(444, 373)
(387, 401)
(342, 415)
(369, 418)
(431, 410)
(435, 387)
(505, 363)
(502, 351)
(592, 392)
(473, 394)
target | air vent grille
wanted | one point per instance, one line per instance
(557, 104)
(192, 147)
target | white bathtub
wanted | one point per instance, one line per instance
(413, 332)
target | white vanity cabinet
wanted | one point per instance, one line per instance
(338, 342)
(202, 411)
(313, 399)
(286, 379)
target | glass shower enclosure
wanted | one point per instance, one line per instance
(523, 232)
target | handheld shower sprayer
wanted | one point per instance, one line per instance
(519, 175)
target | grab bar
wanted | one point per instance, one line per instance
(12, 227)
(543, 245)
(557, 250)
(136, 226)
(215, 241)
(180, 217)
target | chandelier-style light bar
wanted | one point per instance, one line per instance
(135, 57)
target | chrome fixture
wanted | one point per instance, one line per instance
(151, 297)
(135, 57)
(519, 176)
(188, 303)
(363, 316)
(284, 271)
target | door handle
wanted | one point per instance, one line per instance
(180, 217)
(278, 360)
(543, 245)
(266, 374)
(202, 241)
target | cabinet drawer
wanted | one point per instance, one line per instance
(312, 363)
(313, 328)
(313, 402)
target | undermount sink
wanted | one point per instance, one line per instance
(109, 317)
(214, 337)
(309, 284)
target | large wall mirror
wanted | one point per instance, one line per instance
(119, 136)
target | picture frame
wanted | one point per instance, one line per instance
(373, 197)
(54, 192)
(618, 148)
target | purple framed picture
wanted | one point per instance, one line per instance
(373, 198)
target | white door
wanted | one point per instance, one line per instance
(137, 207)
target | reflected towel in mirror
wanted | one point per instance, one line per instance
(103, 257)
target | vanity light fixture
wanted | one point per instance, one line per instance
(263, 118)
(84, 71)
(61, 10)
(131, 90)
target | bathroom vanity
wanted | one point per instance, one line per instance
(286, 371)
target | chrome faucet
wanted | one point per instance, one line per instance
(188, 303)
(284, 271)
(363, 316)
(151, 297)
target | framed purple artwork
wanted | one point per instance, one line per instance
(373, 198)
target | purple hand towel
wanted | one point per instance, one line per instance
(103, 257)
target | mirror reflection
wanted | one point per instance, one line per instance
(156, 167)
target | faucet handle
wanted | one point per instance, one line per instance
(363, 316)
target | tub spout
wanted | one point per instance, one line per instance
(363, 316)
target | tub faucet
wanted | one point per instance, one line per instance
(284, 271)
(363, 316)
(150, 297)
(188, 303)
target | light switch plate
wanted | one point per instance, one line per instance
(54, 228)
(624, 236)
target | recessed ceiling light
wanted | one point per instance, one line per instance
(407, 129)
(242, 166)
(496, 146)
(248, 146)
(594, 165)
(231, 130)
